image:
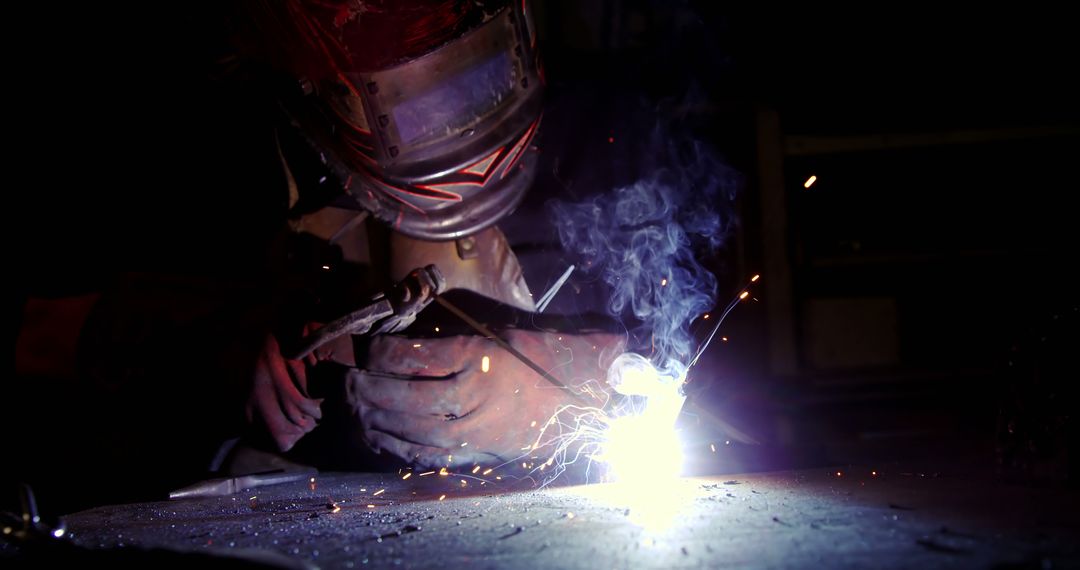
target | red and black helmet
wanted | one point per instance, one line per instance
(425, 110)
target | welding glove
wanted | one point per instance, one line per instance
(279, 399)
(464, 400)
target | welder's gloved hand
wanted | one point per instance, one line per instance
(424, 400)
(279, 399)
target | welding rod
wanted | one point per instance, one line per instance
(230, 485)
(480, 328)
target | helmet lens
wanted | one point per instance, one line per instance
(457, 103)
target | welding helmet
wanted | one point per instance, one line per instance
(425, 110)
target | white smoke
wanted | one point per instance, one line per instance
(645, 240)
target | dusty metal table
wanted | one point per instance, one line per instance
(855, 517)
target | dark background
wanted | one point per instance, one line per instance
(916, 301)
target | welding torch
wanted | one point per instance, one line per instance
(397, 308)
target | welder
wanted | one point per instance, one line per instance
(399, 135)
(408, 132)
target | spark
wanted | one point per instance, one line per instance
(475, 469)
(427, 473)
(379, 492)
(723, 338)
(443, 472)
(569, 515)
(839, 473)
(609, 440)
(485, 364)
(336, 508)
(463, 444)
(663, 282)
(652, 430)
(708, 340)
(417, 345)
(441, 497)
(591, 392)
(407, 475)
(873, 473)
(436, 329)
(326, 267)
(57, 533)
(371, 506)
(488, 471)
(633, 441)
(810, 181)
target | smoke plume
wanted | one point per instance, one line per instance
(645, 240)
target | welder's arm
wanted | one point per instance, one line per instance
(425, 400)
(279, 400)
